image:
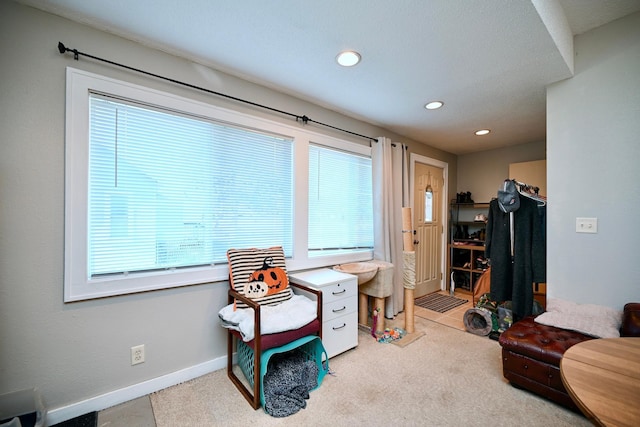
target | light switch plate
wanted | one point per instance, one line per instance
(586, 225)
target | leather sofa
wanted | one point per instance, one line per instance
(531, 354)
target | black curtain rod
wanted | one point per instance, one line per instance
(304, 119)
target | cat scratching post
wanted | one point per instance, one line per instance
(409, 273)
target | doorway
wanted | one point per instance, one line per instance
(429, 207)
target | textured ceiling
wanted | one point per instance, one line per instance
(488, 60)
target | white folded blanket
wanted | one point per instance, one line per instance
(291, 314)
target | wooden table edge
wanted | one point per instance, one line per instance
(585, 411)
(591, 416)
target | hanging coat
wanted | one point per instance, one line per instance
(512, 278)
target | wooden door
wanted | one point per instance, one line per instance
(428, 223)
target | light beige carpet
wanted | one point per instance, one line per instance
(445, 378)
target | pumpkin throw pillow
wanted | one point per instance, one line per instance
(259, 274)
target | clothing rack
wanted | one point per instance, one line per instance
(515, 244)
(526, 187)
(530, 191)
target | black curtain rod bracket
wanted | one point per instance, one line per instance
(304, 119)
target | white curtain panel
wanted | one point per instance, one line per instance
(390, 184)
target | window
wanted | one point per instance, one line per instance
(428, 204)
(168, 191)
(158, 187)
(340, 203)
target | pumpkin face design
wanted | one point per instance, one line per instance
(255, 289)
(274, 277)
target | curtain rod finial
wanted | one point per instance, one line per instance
(62, 49)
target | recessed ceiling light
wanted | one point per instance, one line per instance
(348, 58)
(482, 132)
(434, 105)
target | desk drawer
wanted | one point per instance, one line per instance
(339, 308)
(340, 334)
(339, 290)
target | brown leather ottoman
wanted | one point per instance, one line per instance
(531, 355)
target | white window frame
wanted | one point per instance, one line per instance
(77, 285)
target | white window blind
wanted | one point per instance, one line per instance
(170, 191)
(340, 201)
(158, 187)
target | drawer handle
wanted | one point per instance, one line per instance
(341, 292)
(344, 307)
(340, 327)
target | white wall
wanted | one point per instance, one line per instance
(78, 354)
(483, 172)
(593, 169)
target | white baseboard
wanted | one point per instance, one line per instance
(126, 394)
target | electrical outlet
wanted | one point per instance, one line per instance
(137, 354)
